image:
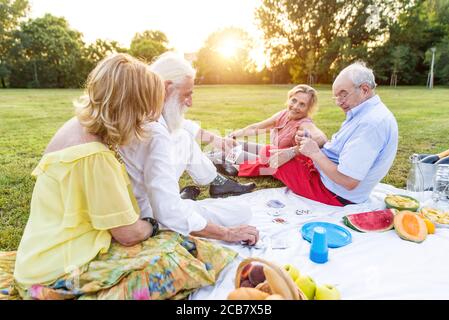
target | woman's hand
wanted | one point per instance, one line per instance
(229, 143)
(302, 133)
(236, 134)
(224, 144)
(278, 157)
(245, 233)
(311, 132)
(309, 147)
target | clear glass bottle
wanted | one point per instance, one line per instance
(415, 179)
(440, 194)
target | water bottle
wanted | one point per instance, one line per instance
(435, 157)
(440, 194)
(443, 161)
(423, 155)
(430, 159)
(415, 179)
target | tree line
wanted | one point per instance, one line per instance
(305, 41)
(311, 40)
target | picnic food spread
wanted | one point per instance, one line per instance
(373, 221)
(435, 215)
(410, 226)
(258, 279)
(264, 280)
(401, 202)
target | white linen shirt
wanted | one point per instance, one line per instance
(191, 127)
(155, 184)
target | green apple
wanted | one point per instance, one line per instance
(292, 271)
(307, 285)
(327, 292)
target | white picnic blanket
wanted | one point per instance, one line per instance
(373, 266)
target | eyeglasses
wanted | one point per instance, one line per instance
(345, 95)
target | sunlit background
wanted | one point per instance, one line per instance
(187, 24)
(50, 43)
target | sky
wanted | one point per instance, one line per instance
(187, 24)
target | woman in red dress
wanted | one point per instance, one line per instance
(258, 159)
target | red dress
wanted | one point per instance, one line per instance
(282, 136)
(300, 175)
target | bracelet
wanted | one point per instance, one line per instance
(292, 153)
(155, 225)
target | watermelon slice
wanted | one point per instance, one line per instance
(372, 221)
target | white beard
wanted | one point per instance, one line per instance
(173, 114)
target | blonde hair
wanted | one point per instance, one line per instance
(313, 103)
(121, 95)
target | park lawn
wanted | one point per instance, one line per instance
(29, 118)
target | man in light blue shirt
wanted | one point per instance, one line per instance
(360, 154)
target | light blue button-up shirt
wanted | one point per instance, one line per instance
(364, 148)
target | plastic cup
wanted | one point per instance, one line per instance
(319, 250)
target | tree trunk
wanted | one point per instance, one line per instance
(36, 79)
(394, 79)
(3, 83)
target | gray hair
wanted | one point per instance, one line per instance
(172, 67)
(359, 73)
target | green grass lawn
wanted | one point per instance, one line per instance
(29, 118)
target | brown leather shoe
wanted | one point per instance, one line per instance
(190, 192)
(227, 169)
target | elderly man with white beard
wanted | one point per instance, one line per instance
(156, 164)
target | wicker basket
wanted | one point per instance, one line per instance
(277, 279)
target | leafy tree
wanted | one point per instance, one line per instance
(225, 57)
(97, 51)
(100, 49)
(421, 26)
(149, 44)
(442, 61)
(438, 15)
(318, 37)
(11, 11)
(48, 54)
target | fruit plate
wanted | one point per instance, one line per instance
(441, 225)
(336, 236)
(439, 218)
(401, 202)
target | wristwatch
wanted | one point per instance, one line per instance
(155, 225)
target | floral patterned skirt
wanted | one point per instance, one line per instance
(167, 266)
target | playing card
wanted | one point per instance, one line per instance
(279, 243)
(301, 212)
(234, 154)
(275, 204)
(280, 221)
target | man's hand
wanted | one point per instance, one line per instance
(309, 147)
(301, 134)
(278, 157)
(246, 233)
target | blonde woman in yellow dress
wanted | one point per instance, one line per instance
(84, 238)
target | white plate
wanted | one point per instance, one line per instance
(441, 225)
